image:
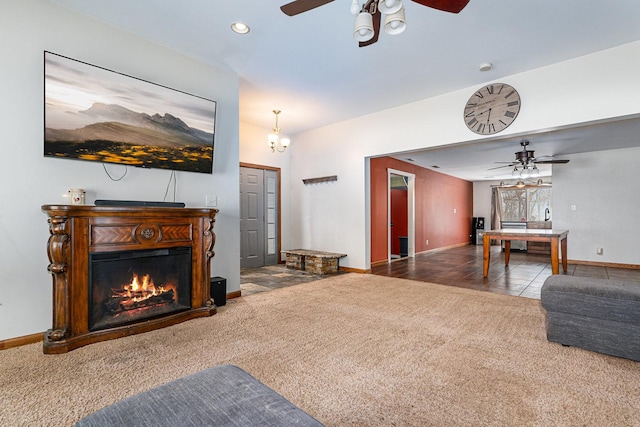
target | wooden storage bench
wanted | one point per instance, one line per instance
(315, 262)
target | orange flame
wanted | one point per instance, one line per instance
(141, 288)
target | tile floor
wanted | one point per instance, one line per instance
(460, 267)
(263, 279)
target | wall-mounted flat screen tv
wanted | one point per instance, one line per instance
(92, 113)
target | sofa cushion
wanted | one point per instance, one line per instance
(220, 396)
(595, 298)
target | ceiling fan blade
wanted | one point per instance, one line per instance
(300, 6)
(376, 29)
(551, 162)
(452, 6)
(505, 166)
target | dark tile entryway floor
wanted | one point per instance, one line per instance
(263, 279)
(460, 267)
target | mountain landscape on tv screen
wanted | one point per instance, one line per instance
(115, 134)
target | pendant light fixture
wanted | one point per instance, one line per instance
(276, 143)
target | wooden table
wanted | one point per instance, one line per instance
(532, 235)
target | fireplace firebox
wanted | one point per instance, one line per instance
(129, 286)
(119, 270)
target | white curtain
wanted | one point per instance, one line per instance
(496, 211)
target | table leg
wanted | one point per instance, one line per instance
(554, 256)
(563, 245)
(486, 244)
(507, 252)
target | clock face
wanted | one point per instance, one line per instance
(492, 109)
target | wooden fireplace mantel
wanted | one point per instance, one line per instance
(76, 231)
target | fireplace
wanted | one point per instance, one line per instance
(119, 271)
(130, 286)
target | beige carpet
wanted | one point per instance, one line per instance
(357, 350)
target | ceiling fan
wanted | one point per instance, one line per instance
(526, 161)
(368, 17)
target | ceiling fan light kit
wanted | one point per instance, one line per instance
(389, 6)
(367, 28)
(363, 30)
(395, 22)
(526, 172)
(355, 7)
(367, 23)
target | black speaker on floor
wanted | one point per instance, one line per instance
(477, 223)
(219, 290)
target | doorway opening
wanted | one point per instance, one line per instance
(401, 214)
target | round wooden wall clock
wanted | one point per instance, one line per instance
(492, 109)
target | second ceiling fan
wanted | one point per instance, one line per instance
(369, 16)
(526, 161)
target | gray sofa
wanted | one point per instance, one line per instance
(595, 314)
(219, 396)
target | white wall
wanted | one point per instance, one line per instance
(27, 29)
(604, 189)
(334, 216)
(331, 216)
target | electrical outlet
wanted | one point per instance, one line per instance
(211, 201)
(573, 207)
(455, 210)
(599, 251)
(427, 243)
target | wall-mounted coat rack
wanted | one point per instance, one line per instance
(321, 179)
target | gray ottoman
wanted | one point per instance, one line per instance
(219, 396)
(595, 314)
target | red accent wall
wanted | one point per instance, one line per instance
(437, 195)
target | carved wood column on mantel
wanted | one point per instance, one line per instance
(58, 253)
(78, 231)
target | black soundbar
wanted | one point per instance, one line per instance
(137, 203)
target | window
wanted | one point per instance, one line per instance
(525, 204)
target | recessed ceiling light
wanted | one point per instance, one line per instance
(240, 28)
